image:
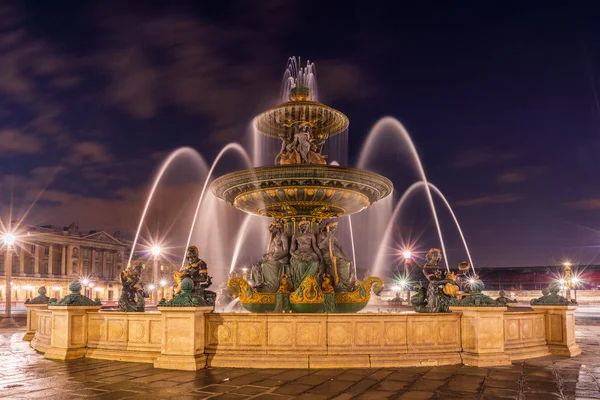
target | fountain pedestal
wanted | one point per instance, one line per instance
(32, 319)
(182, 344)
(69, 336)
(482, 335)
(560, 329)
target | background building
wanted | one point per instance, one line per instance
(53, 257)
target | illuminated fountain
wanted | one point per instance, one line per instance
(305, 268)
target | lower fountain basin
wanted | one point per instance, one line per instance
(307, 298)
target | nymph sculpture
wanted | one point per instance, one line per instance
(306, 257)
(266, 275)
(336, 261)
(133, 294)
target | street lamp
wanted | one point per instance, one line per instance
(8, 321)
(568, 282)
(163, 283)
(155, 250)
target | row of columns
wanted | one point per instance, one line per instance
(66, 268)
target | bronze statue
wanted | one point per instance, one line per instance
(336, 261)
(197, 270)
(306, 257)
(266, 274)
(133, 294)
(442, 287)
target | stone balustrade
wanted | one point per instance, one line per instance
(190, 338)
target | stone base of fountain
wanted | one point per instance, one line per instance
(190, 338)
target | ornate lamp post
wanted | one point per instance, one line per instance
(8, 321)
(155, 250)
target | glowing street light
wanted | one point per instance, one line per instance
(163, 282)
(151, 287)
(155, 250)
(407, 254)
(85, 281)
(9, 239)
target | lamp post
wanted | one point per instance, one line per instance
(8, 321)
(156, 259)
(568, 280)
(407, 254)
(163, 283)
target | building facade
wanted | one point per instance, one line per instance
(53, 257)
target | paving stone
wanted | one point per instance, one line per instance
(416, 395)
(393, 386)
(502, 383)
(426, 385)
(465, 383)
(292, 389)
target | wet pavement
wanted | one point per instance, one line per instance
(24, 374)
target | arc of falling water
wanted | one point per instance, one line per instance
(165, 165)
(406, 137)
(238, 241)
(405, 196)
(230, 146)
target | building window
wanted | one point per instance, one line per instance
(47, 250)
(85, 252)
(33, 249)
(107, 255)
(45, 271)
(97, 253)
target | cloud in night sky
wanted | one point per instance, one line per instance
(488, 200)
(14, 142)
(586, 204)
(520, 175)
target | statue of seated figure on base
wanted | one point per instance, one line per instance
(197, 270)
(133, 294)
(337, 263)
(266, 274)
(442, 287)
(306, 257)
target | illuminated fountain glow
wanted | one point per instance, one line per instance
(306, 183)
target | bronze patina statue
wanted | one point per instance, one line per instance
(442, 287)
(504, 299)
(133, 294)
(306, 257)
(41, 299)
(266, 275)
(336, 261)
(197, 270)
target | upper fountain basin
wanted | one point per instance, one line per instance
(315, 192)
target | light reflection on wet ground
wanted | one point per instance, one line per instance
(24, 374)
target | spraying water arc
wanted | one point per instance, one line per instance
(229, 147)
(405, 137)
(411, 189)
(164, 167)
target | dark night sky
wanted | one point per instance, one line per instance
(499, 98)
